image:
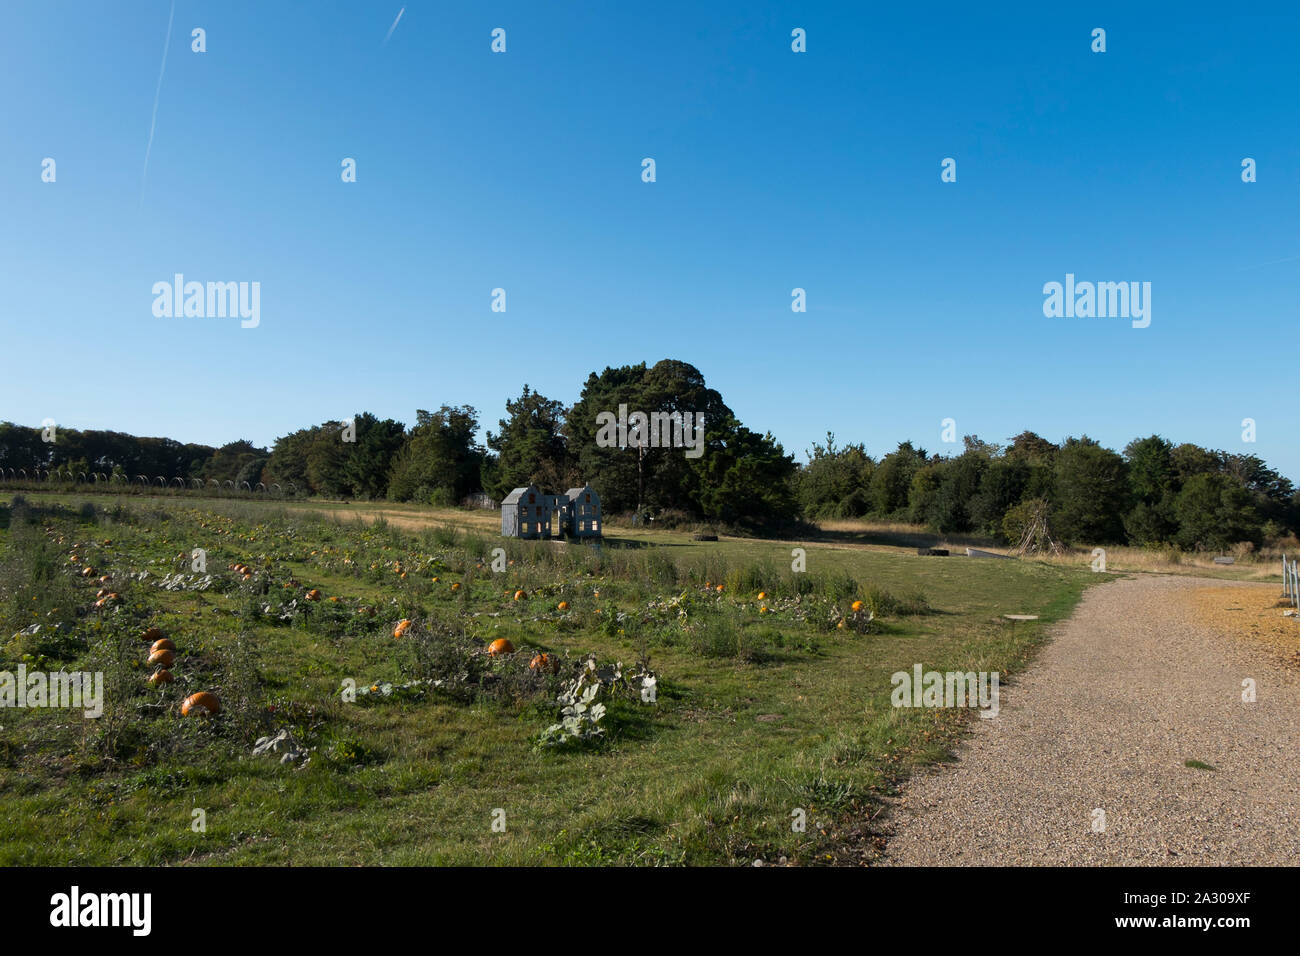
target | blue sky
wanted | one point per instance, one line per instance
(775, 170)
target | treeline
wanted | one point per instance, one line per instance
(116, 453)
(1155, 493)
(739, 477)
(736, 476)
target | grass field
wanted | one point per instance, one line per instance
(764, 706)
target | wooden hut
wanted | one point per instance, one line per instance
(583, 514)
(526, 513)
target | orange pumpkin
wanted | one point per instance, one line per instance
(402, 627)
(544, 663)
(313, 594)
(500, 646)
(161, 676)
(520, 595)
(201, 703)
(719, 589)
(152, 634)
(163, 657)
(564, 605)
(762, 595)
(87, 572)
(856, 606)
(455, 586)
(163, 644)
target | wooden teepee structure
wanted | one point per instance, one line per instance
(1037, 537)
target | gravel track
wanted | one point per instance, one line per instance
(1129, 688)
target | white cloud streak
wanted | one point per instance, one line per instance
(153, 121)
(394, 26)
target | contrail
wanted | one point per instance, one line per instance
(394, 26)
(1260, 265)
(157, 93)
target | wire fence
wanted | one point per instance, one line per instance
(1291, 581)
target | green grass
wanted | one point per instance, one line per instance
(757, 714)
(1199, 765)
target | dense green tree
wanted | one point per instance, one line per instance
(1091, 493)
(326, 457)
(891, 482)
(530, 446)
(22, 448)
(746, 478)
(923, 492)
(234, 461)
(737, 475)
(441, 461)
(1190, 460)
(1032, 449)
(959, 483)
(1153, 481)
(368, 461)
(1004, 484)
(834, 482)
(1215, 511)
(287, 465)
(1151, 471)
(1151, 523)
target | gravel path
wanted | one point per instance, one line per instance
(1130, 688)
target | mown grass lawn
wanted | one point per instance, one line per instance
(758, 713)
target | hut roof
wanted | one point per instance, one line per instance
(514, 496)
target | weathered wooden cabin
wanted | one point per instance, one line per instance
(583, 518)
(525, 512)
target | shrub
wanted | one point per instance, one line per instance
(837, 585)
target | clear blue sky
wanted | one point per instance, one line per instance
(775, 170)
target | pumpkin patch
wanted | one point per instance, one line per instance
(434, 688)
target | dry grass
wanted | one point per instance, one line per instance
(1251, 614)
(895, 536)
(1249, 564)
(1262, 565)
